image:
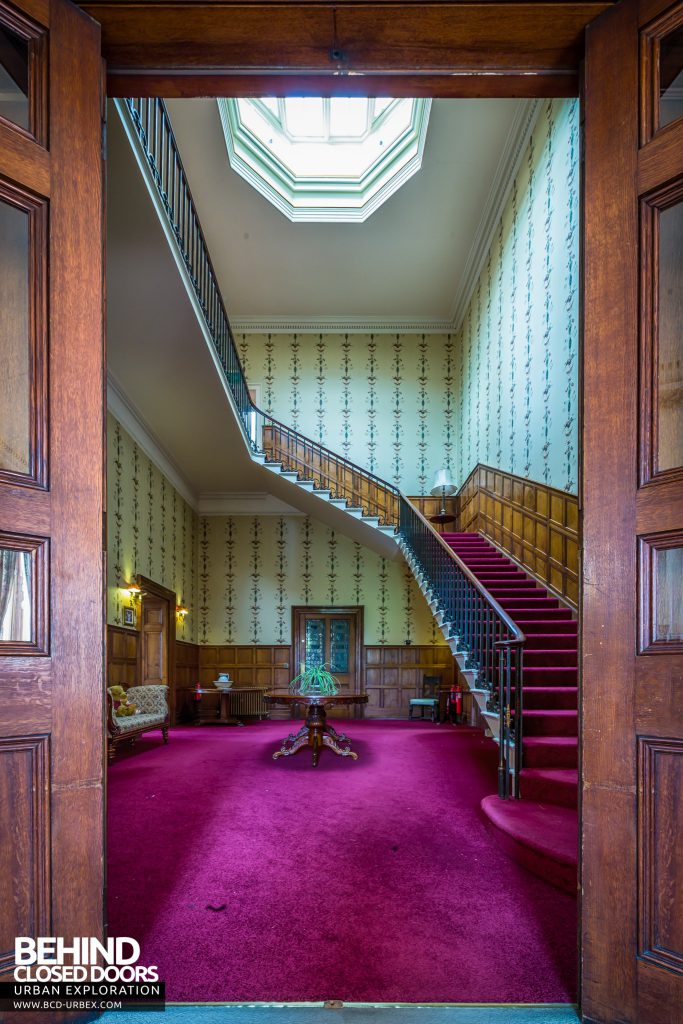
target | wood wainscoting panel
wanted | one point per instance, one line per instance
(24, 841)
(122, 656)
(535, 524)
(261, 665)
(394, 674)
(660, 852)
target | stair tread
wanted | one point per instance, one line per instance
(550, 829)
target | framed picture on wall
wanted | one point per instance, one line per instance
(129, 616)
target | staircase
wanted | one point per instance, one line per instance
(541, 829)
(515, 645)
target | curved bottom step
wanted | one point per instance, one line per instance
(543, 838)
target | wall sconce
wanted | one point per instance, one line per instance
(135, 591)
(181, 611)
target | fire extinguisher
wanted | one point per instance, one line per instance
(198, 691)
(455, 703)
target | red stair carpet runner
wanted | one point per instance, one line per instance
(541, 830)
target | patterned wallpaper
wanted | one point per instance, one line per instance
(253, 569)
(380, 400)
(151, 530)
(515, 359)
(502, 390)
(240, 575)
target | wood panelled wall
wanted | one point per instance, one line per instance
(430, 506)
(535, 524)
(122, 656)
(394, 674)
(123, 665)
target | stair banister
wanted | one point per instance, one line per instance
(493, 642)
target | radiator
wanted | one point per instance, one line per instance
(248, 703)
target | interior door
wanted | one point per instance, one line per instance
(154, 648)
(51, 474)
(632, 687)
(329, 637)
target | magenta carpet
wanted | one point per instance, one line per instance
(374, 881)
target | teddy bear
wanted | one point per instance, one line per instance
(121, 706)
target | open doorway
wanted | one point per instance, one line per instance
(292, 510)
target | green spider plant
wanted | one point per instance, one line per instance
(313, 681)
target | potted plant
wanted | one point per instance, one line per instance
(315, 681)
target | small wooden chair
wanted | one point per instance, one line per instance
(431, 687)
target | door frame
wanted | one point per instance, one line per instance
(354, 611)
(420, 52)
(163, 594)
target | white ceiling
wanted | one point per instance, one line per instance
(406, 262)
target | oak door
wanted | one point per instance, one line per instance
(51, 474)
(632, 687)
(330, 637)
(154, 641)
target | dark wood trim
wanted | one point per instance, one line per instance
(37, 341)
(650, 40)
(473, 84)
(650, 210)
(77, 411)
(648, 546)
(40, 595)
(608, 890)
(36, 36)
(490, 48)
(356, 612)
(169, 596)
(25, 891)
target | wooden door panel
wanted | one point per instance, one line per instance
(24, 841)
(52, 723)
(632, 666)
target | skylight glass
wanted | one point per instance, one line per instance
(318, 159)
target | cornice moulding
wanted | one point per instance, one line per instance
(337, 325)
(120, 406)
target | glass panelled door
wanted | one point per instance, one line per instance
(330, 637)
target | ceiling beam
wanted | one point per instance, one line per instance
(206, 48)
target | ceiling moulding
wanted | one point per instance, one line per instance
(238, 503)
(130, 419)
(517, 140)
(521, 128)
(337, 325)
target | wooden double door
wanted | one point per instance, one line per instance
(632, 607)
(51, 475)
(51, 429)
(333, 638)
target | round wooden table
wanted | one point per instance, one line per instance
(316, 732)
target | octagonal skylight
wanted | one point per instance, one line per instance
(320, 159)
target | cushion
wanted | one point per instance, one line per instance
(138, 721)
(424, 700)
